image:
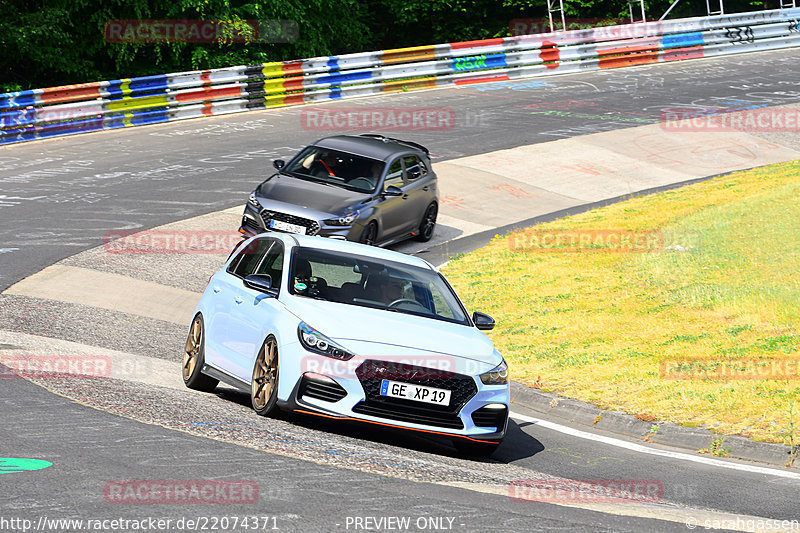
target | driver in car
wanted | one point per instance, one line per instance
(325, 166)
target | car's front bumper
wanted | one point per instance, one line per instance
(346, 398)
(253, 223)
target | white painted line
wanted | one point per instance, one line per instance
(611, 441)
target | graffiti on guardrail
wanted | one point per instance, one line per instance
(123, 103)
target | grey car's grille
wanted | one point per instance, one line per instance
(312, 227)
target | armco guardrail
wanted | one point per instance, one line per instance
(40, 113)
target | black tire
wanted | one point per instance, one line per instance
(370, 234)
(428, 224)
(475, 449)
(264, 385)
(194, 358)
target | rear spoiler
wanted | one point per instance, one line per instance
(387, 139)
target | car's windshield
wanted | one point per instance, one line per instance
(376, 283)
(345, 170)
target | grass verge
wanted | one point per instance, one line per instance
(605, 326)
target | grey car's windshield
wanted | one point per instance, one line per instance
(352, 172)
(376, 283)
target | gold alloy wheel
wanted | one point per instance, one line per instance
(265, 374)
(192, 352)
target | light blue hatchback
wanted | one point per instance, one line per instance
(348, 331)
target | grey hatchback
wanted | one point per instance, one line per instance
(365, 188)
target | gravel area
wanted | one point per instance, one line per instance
(204, 244)
(93, 326)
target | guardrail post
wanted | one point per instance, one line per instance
(630, 8)
(560, 9)
(720, 11)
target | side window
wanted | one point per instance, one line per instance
(395, 175)
(272, 264)
(248, 258)
(414, 167)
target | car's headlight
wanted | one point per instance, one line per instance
(314, 341)
(496, 376)
(253, 201)
(344, 220)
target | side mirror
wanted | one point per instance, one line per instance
(260, 283)
(392, 190)
(482, 321)
(279, 164)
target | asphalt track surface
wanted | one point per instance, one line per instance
(60, 197)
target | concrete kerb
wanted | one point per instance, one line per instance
(690, 439)
(444, 252)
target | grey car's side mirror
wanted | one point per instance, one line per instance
(482, 321)
(393, 190)
(261, 283)
(279, 164)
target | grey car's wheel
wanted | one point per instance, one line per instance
(194, 358)
(428, 224)
(264, 389)
(370, 234)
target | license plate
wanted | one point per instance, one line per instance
(285, 226)
(418, 393)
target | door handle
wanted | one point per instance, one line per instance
(238, 299)
(425, 188)
(405, 197)
(217, 290)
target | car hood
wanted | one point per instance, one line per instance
(361, 329)
(283, 189)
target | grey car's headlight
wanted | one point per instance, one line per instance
(314, 341)
(344, 220)
(496, 376)
(253, 201)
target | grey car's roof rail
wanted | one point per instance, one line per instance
(407, 143)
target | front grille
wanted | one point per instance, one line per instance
(486, 417)
(312, 227)
(371, 373)
(328, 391)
